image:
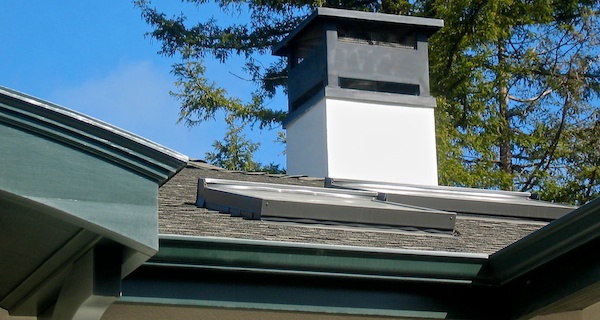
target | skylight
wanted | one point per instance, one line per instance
(461, 200)
(252, 200)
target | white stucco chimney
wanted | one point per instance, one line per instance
(359, 100)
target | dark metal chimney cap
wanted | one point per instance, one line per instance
(433, 25)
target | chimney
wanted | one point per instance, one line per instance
(359, 101)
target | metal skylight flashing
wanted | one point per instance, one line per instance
(462, 200)
(253, 200)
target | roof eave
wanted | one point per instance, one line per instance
(554, 269)
(280, 276)
(550, 242)
(146, 157)
(320, 259)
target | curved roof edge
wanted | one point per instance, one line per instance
(554, 240)
(144, 156)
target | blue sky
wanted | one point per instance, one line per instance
(92, 56)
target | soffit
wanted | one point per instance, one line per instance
(22, 249)
(69, 182)
(37, 249)
(132, 311)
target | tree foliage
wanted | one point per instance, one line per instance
(518, 88)
(516, 81)
(236, 152)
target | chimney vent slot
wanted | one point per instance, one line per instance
(381, 36)
(380, 86)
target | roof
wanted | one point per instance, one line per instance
(507, 260)
(97, 226)
(89, 135)
(179, 215)
(73, 191)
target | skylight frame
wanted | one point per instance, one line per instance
(254, 200)
(497, 203)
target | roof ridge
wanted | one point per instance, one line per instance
(202, 164)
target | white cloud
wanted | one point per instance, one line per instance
(135, 97)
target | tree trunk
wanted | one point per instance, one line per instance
(505, 147)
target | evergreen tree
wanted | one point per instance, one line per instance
(518, 88)
(235, 152)
(516, 81)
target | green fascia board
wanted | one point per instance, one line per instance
(274, 275)
(67, 183)
(552, 270)
(566, 283)
(87, 190)
(90, 135)
(554, 240)
(315, 259)
(306, 292)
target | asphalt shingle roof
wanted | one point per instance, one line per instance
(179, 215)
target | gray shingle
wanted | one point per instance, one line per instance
(179, 215)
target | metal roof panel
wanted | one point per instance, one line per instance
(461, 200)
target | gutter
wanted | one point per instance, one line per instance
(320, 259)
(540, 248)
(512, 283)
(549, 243)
